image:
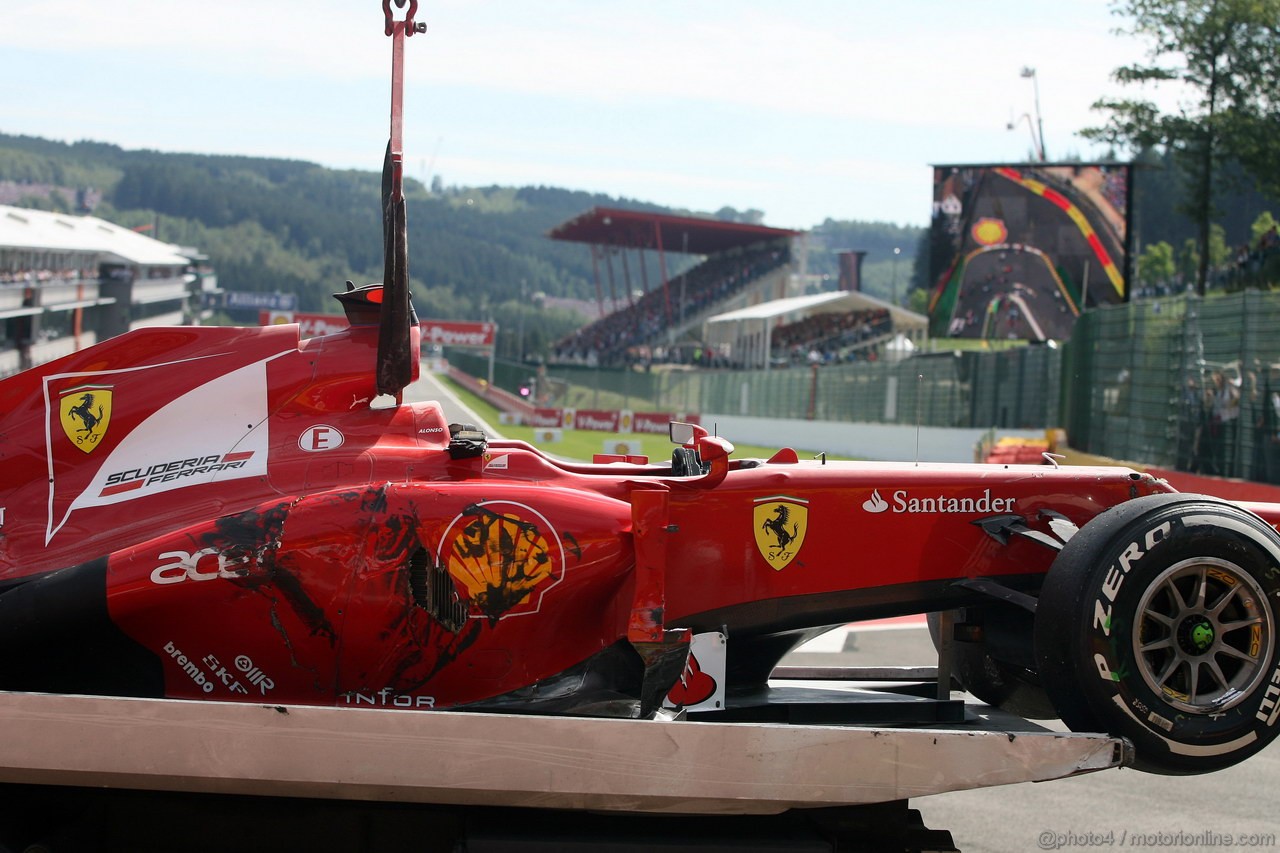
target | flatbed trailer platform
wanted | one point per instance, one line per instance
(458, 771)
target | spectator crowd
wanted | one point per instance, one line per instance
(609, 340)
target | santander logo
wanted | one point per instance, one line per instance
(875, 503)
(902, 501)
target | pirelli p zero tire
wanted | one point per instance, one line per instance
(1158, 622)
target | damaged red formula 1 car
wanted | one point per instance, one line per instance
(220, 514)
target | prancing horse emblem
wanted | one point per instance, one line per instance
(85, 413)
(780, 524)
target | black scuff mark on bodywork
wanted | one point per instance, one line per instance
(278, 626)
(308, 611)
(574, 547)
(447, 646)
(375, 500)
(418, 643)
(251, 541)
(248, 541)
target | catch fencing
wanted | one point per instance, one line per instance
(1179, 382)
(1017, 389)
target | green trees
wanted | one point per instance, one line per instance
(1264, 224)
(1223, 57)
(289, 226)
(1156, 265)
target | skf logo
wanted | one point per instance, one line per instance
(85, 413)
(780, 524)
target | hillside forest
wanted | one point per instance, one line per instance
(289, 226)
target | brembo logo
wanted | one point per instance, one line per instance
(902, 501)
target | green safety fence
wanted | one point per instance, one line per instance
(1182, 382)
(1016, 388)
(1185, 382)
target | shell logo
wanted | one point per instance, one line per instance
(506, 555)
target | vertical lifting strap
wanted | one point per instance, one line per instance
(395, 360)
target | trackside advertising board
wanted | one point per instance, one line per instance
(443, 332)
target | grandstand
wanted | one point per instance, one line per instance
(67, 282)
(741, 265)
(743, 304)
(821, 328)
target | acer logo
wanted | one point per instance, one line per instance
(203, 565)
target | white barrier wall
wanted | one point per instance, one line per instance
(881, 442)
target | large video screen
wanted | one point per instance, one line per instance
(1018, 251)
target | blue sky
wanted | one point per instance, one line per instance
(806, 109)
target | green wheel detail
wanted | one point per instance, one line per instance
(1203, 635)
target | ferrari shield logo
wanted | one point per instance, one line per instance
(85, 413)
(780, 524)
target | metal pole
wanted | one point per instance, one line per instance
(896, 252)
(492, 349)
(520, 324)
(1028, 71)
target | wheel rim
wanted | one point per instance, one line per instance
(1203, 635)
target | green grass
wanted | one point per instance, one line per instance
(973, 344)
(583, 444)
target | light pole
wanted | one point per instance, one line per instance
(520, 333)
(1035, 143)
(894, 288)
(1028, 71)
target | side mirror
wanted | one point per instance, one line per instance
(714, 452)
(712, 449)
(683, 433)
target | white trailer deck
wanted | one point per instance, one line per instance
(443, 757)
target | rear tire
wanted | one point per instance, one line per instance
(1157, 622)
